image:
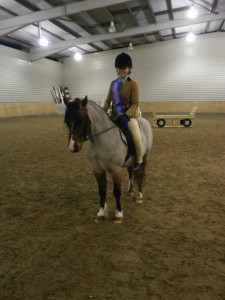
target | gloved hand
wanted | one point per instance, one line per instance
(123, 120)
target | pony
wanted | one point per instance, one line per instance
(107, 150)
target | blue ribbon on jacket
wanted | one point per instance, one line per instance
(116, 95)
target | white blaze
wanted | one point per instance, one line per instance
(71, 145)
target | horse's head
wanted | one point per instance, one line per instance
(77, 122)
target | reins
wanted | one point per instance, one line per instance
(93, 136)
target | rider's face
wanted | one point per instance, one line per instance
(123, 72)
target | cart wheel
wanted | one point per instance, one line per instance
(181, 122)
(161, 122)
(186, 122)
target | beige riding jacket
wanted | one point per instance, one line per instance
(129, 97)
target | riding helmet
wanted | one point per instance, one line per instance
(123, 60)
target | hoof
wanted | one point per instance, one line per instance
(130, 193)
(100, 219)
(139, 201)
(139, 198)
(118, 220)
(118, 217)
(102, 214)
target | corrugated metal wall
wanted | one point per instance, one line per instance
(166, 71)
(24, 82)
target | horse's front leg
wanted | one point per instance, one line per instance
(117, 178)
(102, 190)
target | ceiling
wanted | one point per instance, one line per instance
(82, 26)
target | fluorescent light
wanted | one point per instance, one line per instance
(190, 37)
(78, 56)
(192, 13)
(43, 41)
(112, 27)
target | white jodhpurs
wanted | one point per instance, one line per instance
(135, 131)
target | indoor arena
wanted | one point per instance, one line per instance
(74, 224)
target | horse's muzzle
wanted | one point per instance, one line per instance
(75, 146)
(76, 149)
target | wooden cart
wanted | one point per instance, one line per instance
(174, 120)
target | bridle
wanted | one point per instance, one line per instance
(84, 137)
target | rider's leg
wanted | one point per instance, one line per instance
(135, 131)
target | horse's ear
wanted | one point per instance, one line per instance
(84, 101)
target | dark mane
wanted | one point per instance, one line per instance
(72, 111)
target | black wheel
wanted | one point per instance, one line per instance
(186, 122)
(161, 122)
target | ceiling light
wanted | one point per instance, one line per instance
(112, 27)
(43, 41)
(192, 13)
(190, 37)
(130, 47)
(78, 56)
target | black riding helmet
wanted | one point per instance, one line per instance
(123, 60)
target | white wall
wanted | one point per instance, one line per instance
(166, 71)
(24, 82)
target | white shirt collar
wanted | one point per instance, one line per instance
(123, 80)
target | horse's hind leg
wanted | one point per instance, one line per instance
(102, 186)
(140, 178)
(130, 190)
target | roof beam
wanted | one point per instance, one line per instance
(213, 7)
(209, 9)
(171, 15)
(55, 12)
(5, 31)
(154, 18)
(40, 52)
